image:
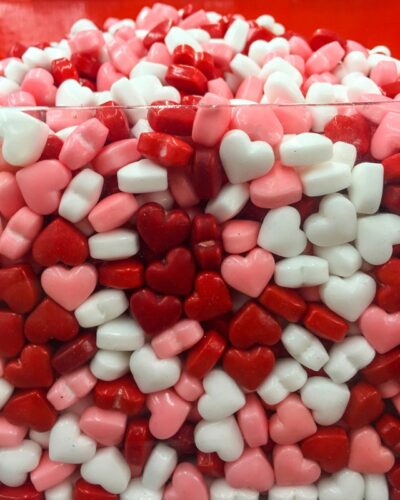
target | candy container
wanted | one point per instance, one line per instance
(199, 263)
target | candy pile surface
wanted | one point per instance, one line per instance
(199, 299)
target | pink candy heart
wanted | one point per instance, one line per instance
(292, 422)
(382, 330)
(49, 473)
(177, 339)
(69, 287)
(251, 470)
(366, 453)
(240, 236)
(260, 123)
(292, 469)
(187, 482)
(168, 413)
(249, 274)
(253, 423)
(107, 427)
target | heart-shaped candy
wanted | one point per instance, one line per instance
(51, 476)
(251, 471)
(186, 481)
(159, 466)
(101, 307)
(168, 413)
(343, 260)
(382, 330)
(376, 235)
(293, 492)
(120, 334)
(18, 461)
(136, 491)
(292, 469)
(367, 455)
(253, 422)
(220, 490)
(32, 369)
(329, 446)
(121, 394)
(177, 339)
(106, 427)
(343, 484)
(364, 407)
(222, 437)
(301, 271)
(19, 288)
(304, 347)
(30, 409)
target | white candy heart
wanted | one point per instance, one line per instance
(18, 128)
(223, 437)
(222, 397)
(279, 64)
(304, 270)
(151, 373)
(149, 68)
(366, 188)
(18, 461)
(280, 232)
(244, 160)
(343, 152)
(159, 466)
(178, 36)
(347, 358)
(67, 444)
(376, 235)
(229, 202)
(343, 260)
(281, 86)
(304, 347)
(220, 490)
(335, 224)
(287, 376)
(376, 487)
(345, 484)
(108, 469)
(243, 66)
(110, 365)
(121, 334)
(101, 307)
(126, 93)
(81, 195)
(143, 176)
(6, 389)
(114, 245)
(236, 34)
(258, 50)
(16, 71)
(293, 493)
(41, 438)
(136, 491)
(327, 400)
(63, 491)
(304, 150)
(321, 93)
(72, 93)
(36, 58)
(349, 297)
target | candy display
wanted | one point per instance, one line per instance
(199, 263)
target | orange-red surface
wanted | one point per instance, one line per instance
(372, 22)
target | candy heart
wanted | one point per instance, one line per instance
(327, 399)
(324, 323)
(67, 444)
(177, 339)
(26, 491)
(220, 490)
(293, 493)
(151, 373)
(347, 358)
(121, 394)
(366, 453)
(292, 469)
(49, 475)
(11, 333)
(292, 422)
(101, 307)
(284, 302)
(364, 407)
(61, 242)
(349, 297)
(343, 260)
(30, 409)
(258, 123)
(121, 274)
(106, 427)
(249, 368)
(304, 347)
(252, 471)
(211, 297)
(249, 274)
(72, 93)
(75, 353)
(16, 128)
(11, 198)
(286, 377)
(69, 287)
(329, 446)
(32, 369)
(48, 321)
(11, 435)
(382, 330)
(18, 461)
(168, 413)
(155, 313)
(280, 232)
(18, 288)
(114, 245)
(237, 149)
(84, 490)
(304, 270)
(19, 233)
(343, 484)
(120, 334)
(186, 481)
(335, 224)
(110, 365)
(376, 486)
(222, 437)
(70, 388)
(175, 276)
(365, 190)
(205, 354)
(159, 466)
(306, 149)
(376, 235)
(96, 470)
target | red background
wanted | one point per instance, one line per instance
(371, 22)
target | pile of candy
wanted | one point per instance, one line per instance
(201, 298)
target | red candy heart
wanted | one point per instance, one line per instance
(61, 242)
(30, 409)
(186, 79)
(121, 395)
(75, 354)
(19, 288)
(205, 227)
(208, 255)
(253, 325)
(323, 36)
(87, 491)
(329, 446)
(365, 405)
(155, 313)
(122, 274)
(205, 354)
(32, 369)
(138, 445)
(353, 129)
(165, 149)
(63, 69)
(384, 367)
(249, 368)
(388, 427)
(11, 334)
(388, 293)
(158, 33)
(167, 117)
(24, 492)
(391, 168)
(174, 276)
(52, 148)
(394, 475)
(162, 231)
(50, 321)
(389, 273)
(210, 299)
(206, 173)
(326, 324)
(113, 117)
(210, 464)
(284, 302)
(391, 198)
